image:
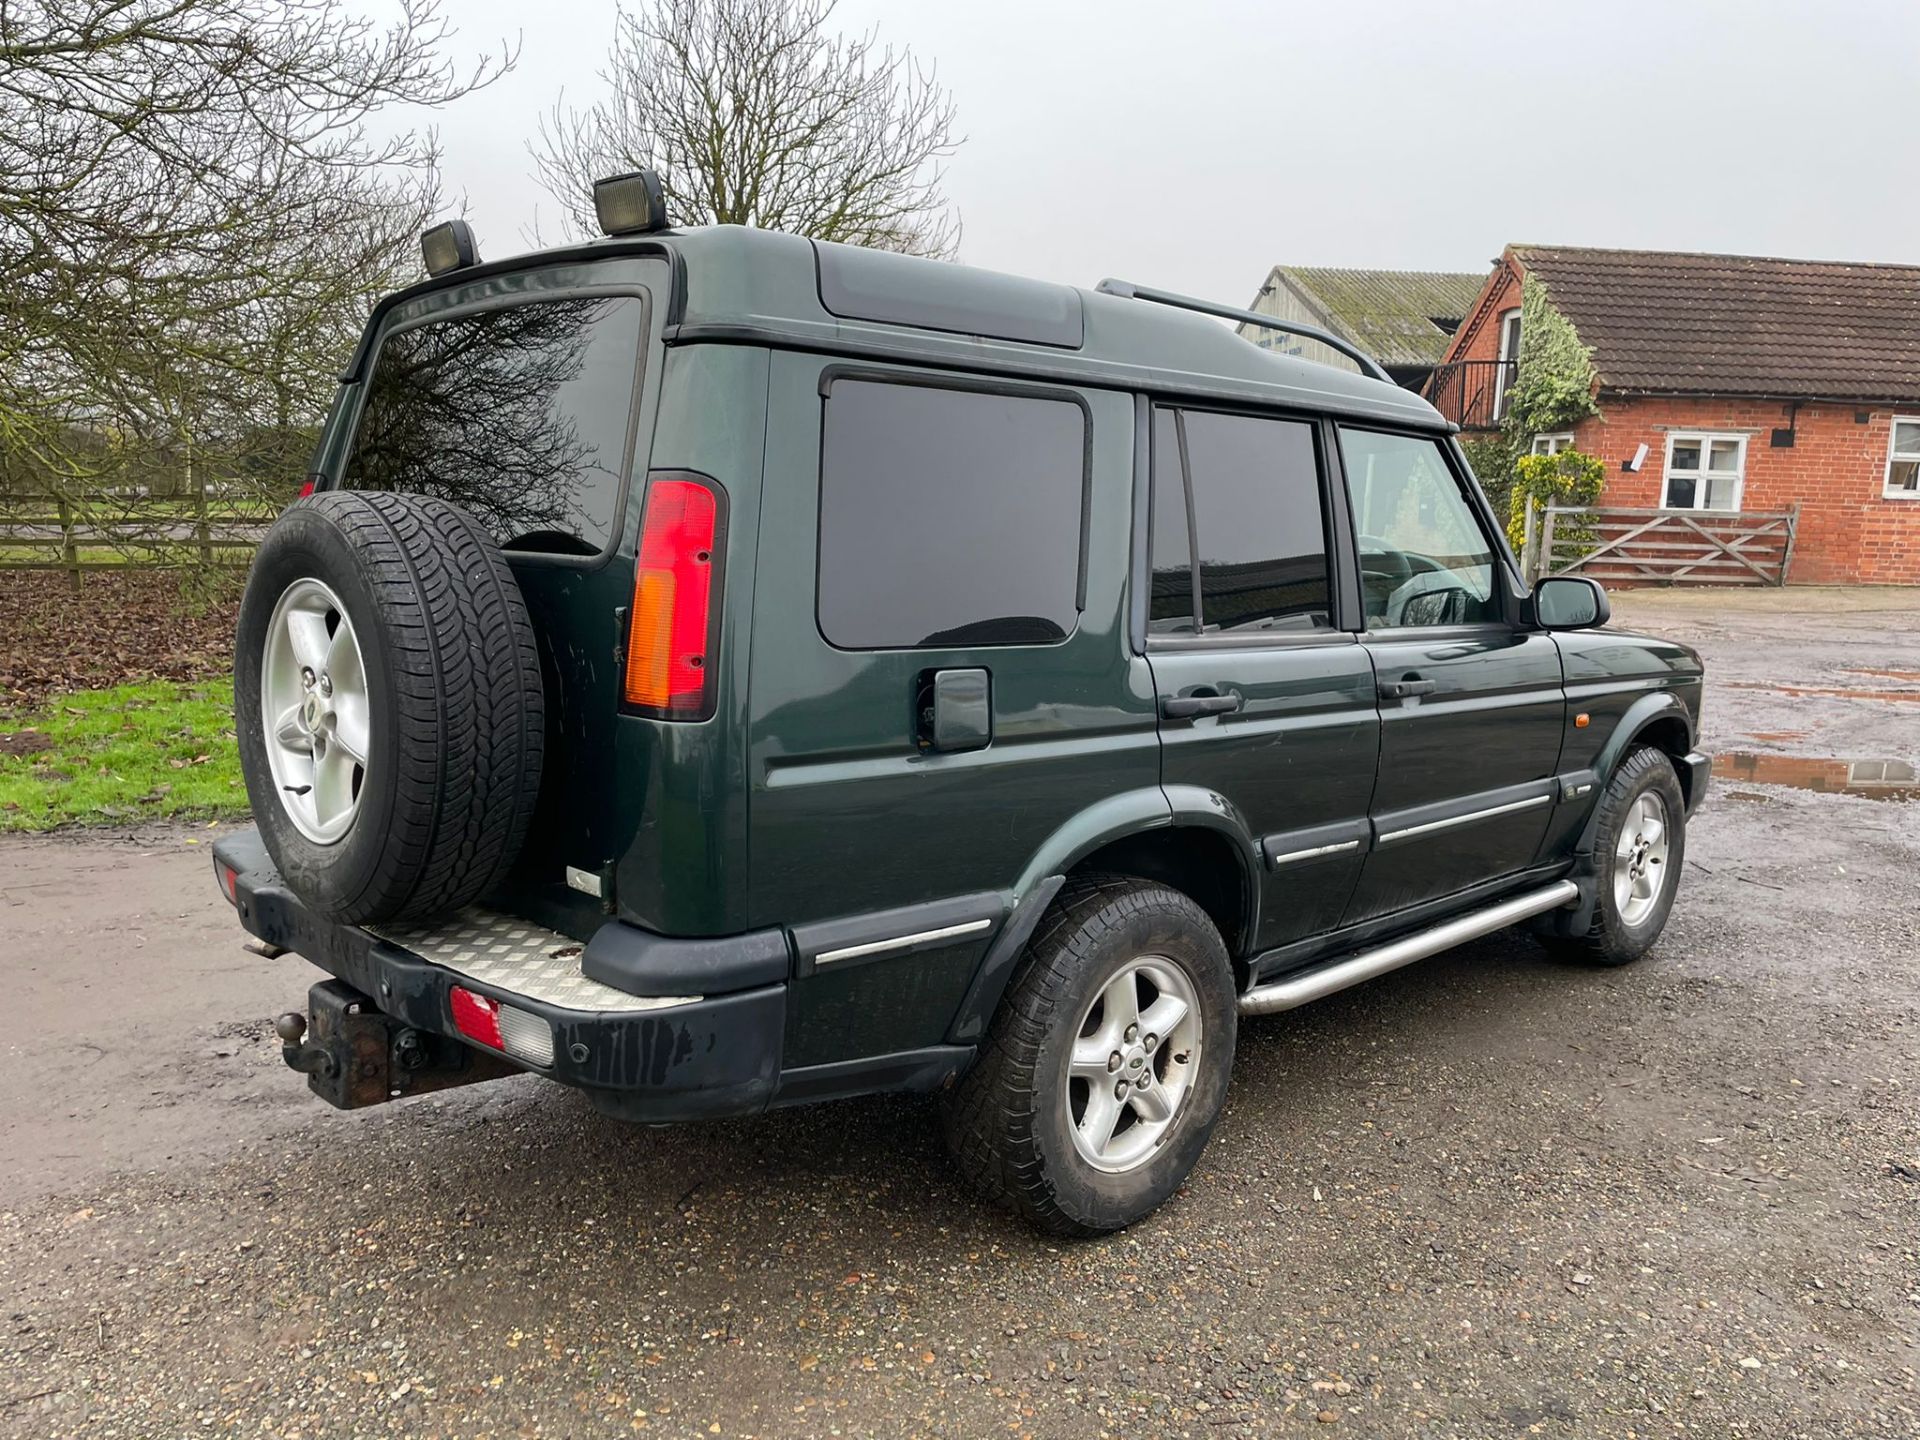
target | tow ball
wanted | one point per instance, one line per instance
(353, 1055)
(307, 1059)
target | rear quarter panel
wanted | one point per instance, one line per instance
(682, 785)
(848, 815)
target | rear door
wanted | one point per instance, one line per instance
(1471, 705)
(1265, 700)
(528, 399)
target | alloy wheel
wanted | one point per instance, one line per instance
(1135, 1055)
(1640, 858)
(314, 711)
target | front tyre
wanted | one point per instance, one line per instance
(1105, 1067)
(1640, 845)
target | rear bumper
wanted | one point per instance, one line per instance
(658, 1061)
(1698, 775)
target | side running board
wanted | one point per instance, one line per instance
(1297, 990)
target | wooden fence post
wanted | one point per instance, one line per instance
(1546, 545)
(198, 480)
(1529, 554)
(69, 552)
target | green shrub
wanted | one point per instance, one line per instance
(1569, 478)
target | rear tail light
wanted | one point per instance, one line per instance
(676, 589)
(520, 1033)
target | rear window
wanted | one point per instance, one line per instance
(520, 415)
(1258, 534)
(948, 517)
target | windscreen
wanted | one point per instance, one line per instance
(519, 415)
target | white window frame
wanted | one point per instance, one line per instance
(1887, 490)
(1705, 437)
(1500, 373)
(1551, 444)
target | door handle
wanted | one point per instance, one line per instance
(1186, 707)
(1402, 689)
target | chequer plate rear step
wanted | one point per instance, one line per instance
(511, 954)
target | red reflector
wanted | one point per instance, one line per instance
(307, 489)
(229, 882)
(673, 583)
(477, 1017)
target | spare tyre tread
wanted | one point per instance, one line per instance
(440, 555)
(467, 706)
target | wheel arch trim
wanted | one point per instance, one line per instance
(1642, 715)
(1117, 817)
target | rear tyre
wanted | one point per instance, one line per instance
(389, 706)
(1106, 1065)
(1639, 847)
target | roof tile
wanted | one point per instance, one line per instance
(1388, 313)
(1662, 322)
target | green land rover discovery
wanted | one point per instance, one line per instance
(717, 670)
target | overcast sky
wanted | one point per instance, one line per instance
(1195, 143)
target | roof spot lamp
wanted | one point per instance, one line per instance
(449, 246)
(630, 204)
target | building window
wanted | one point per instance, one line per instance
(1553, 444)
(1903, 459)
(1704, 472)
(1509, 365)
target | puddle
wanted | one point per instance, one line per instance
(1833, 691)
(1875, 779)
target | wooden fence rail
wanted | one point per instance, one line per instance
(1696, 547)
(48, 532)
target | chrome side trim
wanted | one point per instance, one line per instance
(1294, 857)
(1453, 821)
(901, 942)
(1299, 990)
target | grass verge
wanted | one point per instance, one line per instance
(132, 752)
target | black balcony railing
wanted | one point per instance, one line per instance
(1471, 393)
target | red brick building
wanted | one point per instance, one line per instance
(1753, 384)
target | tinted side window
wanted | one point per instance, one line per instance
(1170, 601)
(1423, 558)
(948, 517)
(1258, 522)
(519, 415)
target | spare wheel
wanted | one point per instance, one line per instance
(388, 702)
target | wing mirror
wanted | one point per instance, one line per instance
(1570, 602)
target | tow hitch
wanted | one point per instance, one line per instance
(354, 1056)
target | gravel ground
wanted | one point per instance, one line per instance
(1488, 1195)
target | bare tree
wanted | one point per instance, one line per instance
(753, 114)
(194, 217)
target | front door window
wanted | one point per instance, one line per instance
(1423, 557)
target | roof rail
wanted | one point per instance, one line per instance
(1127, 290)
